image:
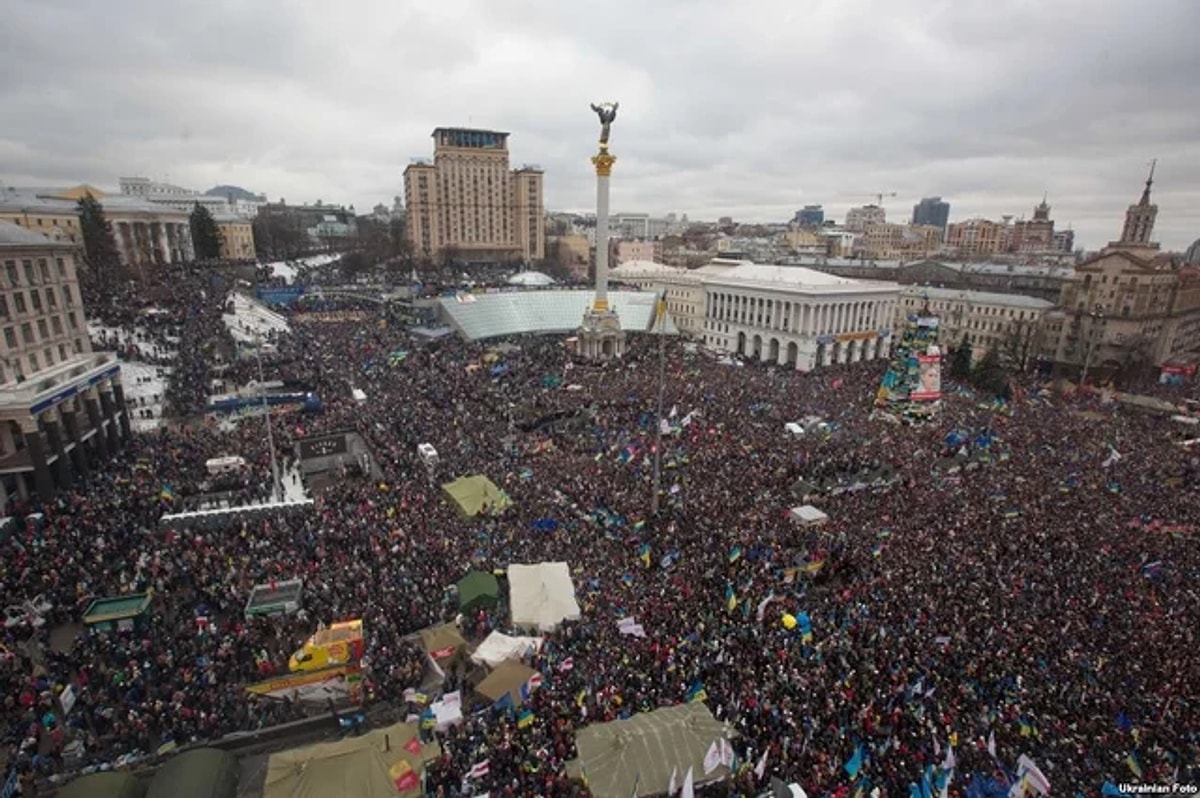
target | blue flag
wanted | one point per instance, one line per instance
(854, 763)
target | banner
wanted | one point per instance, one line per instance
(929, 381)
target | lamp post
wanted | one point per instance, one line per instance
(262, 389)
(656, 480)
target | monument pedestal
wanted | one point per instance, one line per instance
(601, 336)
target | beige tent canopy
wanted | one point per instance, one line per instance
(541, 596)
(382, 763)
(110, 784)
(199, 773)
(637, 756)
(476, 494)
(443, 642)
(506, 678)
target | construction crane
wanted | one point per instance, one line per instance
(879, 195)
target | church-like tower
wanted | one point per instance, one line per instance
(1139, 219)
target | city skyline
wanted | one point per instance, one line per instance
(964, 101)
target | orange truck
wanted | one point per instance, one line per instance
(339, 645)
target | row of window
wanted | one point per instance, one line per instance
(32, 275)
(35, 300)
(43, 330)
(31, 363)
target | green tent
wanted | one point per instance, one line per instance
(111, 784)
(199, 773)
(476, 494)
(478, 589)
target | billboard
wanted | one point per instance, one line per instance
(280, 295)
(322, 447)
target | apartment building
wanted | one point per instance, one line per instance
(62, 406)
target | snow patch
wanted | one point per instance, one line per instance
(252, 321)
(143, 381)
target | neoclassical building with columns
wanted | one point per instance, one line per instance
(796, 317)
(62, 406)
(146, 234)
(788, 315)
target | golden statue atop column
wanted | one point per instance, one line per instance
(600, 335)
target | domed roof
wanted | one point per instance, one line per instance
(531, 279)
(1193, 253)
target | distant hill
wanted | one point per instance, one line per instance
(236, 192)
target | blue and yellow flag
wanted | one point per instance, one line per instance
(644, 554)
(525, 719)
(730, 598)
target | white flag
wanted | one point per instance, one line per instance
(761, 767)
(726, 753)
(712, 758)
(674, 785)
(992, 743)
(949, 763)
(689, 786)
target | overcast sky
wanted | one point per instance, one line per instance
(749, 109)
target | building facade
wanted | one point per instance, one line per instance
(1010, 324)
(1126, 306)
(796, 317)
(145, 234)
(809, 216)
(176, 197)
(683, 288)
(1036, 234)
(900, 241)
(237, 237)
(933, 211)
(62, 406)
(859, 219)
(639, 250)
(466, 203)
(975, 237)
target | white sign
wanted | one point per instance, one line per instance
(67, 699)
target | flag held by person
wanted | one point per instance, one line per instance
(689, 786)
(854, 763)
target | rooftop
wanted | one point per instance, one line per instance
(799, 278)
(978, 297)
(518, 312)
(13, 235)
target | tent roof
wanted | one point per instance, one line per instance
(477, 587)
(541, 596)
(442, 637)
(807, 514)
(358, 766)
(637, 756)
(110, 784)
(470, 494)
(199, 773)
(506, 678)
(498, 647)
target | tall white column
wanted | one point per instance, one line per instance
(603, 163)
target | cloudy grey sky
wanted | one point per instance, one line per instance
(750, 108)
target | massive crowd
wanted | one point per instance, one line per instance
(1042, 601)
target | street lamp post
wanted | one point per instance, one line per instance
(262, 389)
(656, 480)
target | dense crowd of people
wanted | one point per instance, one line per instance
(1039, 597)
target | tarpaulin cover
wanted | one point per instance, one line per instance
(542, 596)
(636, 757)
(442, 641)
(369, 766)
(499, 648)
(478, 589)
(199, 773)
(475, 494)
(506, 678)
(104, 785)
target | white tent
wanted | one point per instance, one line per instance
(807, 515)
(499, 648)
(542, 595)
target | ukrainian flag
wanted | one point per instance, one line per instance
(730, 598)
(524, 719)
(1135, 766)
(644, 554)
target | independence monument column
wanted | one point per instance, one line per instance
(600, 335)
